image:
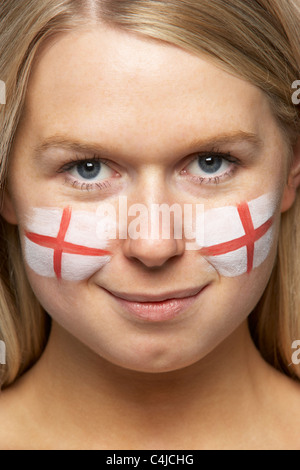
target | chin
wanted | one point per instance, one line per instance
(155, 363)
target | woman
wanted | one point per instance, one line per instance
(185, 103)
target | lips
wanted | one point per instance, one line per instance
(150, 298)
(156, 308)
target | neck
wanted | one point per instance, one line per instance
(148, 410)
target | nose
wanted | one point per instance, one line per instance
(153, 253)
(158, 241)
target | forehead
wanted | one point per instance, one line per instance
(105, 82)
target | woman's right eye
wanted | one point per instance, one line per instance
(90, 171)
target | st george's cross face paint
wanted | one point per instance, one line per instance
(238, 239)
(66, 244)
(73, 245)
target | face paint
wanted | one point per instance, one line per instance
(66, 244)
(239, 239)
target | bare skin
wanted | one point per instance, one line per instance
(188, 409)
(105, 380)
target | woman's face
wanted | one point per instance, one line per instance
(108, 115)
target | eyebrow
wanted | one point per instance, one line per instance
(237, 137)
(76, 146)
(68, 144)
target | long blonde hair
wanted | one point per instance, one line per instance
(257, 40)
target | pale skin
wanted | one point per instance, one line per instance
(106, 380)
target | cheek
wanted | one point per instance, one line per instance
(69, 245)
(237, 240)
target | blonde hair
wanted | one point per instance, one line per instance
(257, 40)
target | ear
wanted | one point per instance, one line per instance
(290, 191)
(7, 210)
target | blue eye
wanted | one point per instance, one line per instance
(210, 166)
(89, 170)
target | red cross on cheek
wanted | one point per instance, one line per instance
(248, 240)
(60, 246)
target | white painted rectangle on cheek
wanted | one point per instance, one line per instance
(222, 225)
(84, 230)
(262, 248)
(44, 221)
(78, 268)
(39, 259)
(231, 264)
(262, 209)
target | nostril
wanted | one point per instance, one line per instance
(153, 253)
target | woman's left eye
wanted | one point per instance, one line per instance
(90, 171)
(209, 166)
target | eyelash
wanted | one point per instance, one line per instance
(83, 186)
(104, 185)
(215, 179)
